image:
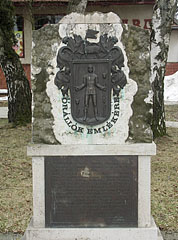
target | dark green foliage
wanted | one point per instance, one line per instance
(7, 25)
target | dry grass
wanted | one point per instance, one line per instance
(15, 178)
(164, 182)
(4, 104)
(164, 176)
(171, 112)
(16, 181)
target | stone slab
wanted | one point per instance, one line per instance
(91, 191)
(115, 128)
(144, 191)
(144, 212)
(3, 112)
(148, 149)
(172, 124)
(170, 102)
(38, 191)
(130, 116)
(92, 233)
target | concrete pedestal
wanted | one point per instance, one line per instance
(151, 233)
(146, 229)
(92, 184)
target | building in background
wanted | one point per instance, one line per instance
(136, 12)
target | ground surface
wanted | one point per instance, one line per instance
(171, 112)
(3, 104)
(16, 180)
(164, 182)
(164, 176)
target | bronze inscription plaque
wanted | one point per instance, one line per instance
(91, 191)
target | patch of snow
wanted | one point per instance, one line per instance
(149, 98)
(3, 91)
(33, 44)
(172, 124)
(3, 112)
(171, 87)
(3, 99)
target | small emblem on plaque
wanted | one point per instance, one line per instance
(90, 71)
(85, 173)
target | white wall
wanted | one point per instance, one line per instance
(130, 12)
(173, 47)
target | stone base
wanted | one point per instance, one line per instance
(151, 233)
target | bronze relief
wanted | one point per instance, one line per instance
(90, 71)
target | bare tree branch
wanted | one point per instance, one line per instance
(78, 6)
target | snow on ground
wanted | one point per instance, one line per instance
(3, 112)
(3, 91)
(171, 87)
(3, 99)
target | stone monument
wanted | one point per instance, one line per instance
(92, 141)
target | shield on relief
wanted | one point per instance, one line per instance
(90, 91)
(89, 71)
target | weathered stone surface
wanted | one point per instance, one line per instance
(133, 123)
(45, 42)
(137, 45)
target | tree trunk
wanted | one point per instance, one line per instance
(19, 93)
(163, 14)
(78, 6)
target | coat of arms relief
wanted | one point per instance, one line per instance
(88, 72)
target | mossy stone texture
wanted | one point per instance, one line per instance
(46, 42)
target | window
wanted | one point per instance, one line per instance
(18, 31)
(42, 20)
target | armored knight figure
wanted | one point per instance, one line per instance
(90, 82)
